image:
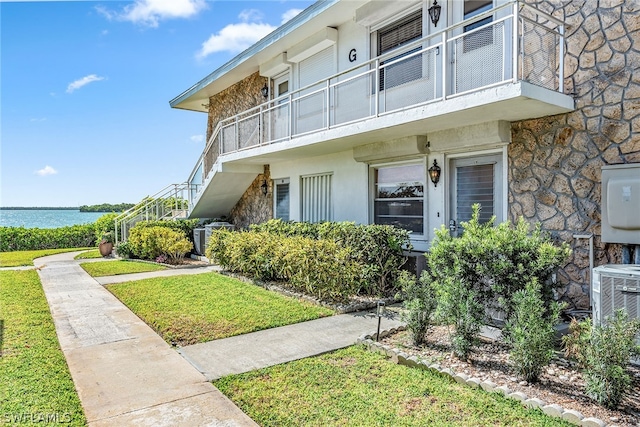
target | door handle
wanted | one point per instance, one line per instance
(452, 226)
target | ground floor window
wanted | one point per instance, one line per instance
(399, 196)
(316, 198)
(281, 199)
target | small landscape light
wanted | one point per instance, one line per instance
(380, 311)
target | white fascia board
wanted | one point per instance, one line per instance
(274, 66)
(312, 45)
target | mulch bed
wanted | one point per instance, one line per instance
(561, 383)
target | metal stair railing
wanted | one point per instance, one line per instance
(170, 203)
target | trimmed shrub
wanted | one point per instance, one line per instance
(604, 352)
(28, 239)
(531, 332)
(185, 226)
(124, 250)
(419, 304)
(318, 267)
(378, 248)
(484, 267)
(174, 245)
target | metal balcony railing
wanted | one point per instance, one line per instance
(520, 43)
(172, 202)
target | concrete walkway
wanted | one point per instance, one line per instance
(125, 374)
(244, 353)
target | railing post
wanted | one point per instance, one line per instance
(516, 45)
(561, 62)
(290, 96)
(445, 60)
(237, 130)
(376, 90)
(260, 126)
(328, 98)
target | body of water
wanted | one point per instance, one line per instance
(45, 218)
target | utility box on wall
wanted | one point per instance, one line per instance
(621, 204)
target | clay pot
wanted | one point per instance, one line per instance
(105, 248)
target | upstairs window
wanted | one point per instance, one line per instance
(393, 37)
(481, 37)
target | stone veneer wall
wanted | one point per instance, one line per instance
(233, 100)
(555, 162)
(254, 207)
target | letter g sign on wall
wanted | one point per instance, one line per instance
(352, 55)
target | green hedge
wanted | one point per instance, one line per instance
(29, 239)
(378, 248)
(185, 226)
(317, 267)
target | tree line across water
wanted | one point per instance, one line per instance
(104, 207)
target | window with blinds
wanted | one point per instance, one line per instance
(317, 203)
(393, 37)
(282, 199)
(475, 184)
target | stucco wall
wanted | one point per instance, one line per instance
(555, 162)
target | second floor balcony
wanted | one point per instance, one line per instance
(509, 68)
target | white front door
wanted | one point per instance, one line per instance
(475, 180)
(281, 108)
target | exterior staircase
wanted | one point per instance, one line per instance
(170, 203)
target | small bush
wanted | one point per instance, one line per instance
(174, 245)
(419, 304)
(105, 224)
(124, 250)
(605, 354)
(185, 226)
(531, 332)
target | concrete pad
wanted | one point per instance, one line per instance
(270, 347)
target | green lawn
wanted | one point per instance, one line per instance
(114, 268)
(95, 253)
(18, 258)
(355, 387)
(35, 383)
(197, 308)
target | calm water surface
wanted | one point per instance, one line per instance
(46, 218)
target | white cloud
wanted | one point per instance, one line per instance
(150, 12)
(234, 38)
(197, 138)
(47, 170)
(75, 85)
(289, 15)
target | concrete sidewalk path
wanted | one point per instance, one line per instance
(125, 374)
(244, 353)
(121, 278)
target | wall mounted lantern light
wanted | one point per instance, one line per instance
(265, 91)
(434, 173)
(264, 187)
(434, 13)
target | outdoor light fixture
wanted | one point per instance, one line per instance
(380, 310)
(264, 187)
(265, 91)
(434, 13)
(434, 173)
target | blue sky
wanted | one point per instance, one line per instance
(85, 90)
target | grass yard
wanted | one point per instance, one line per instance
(18, 258)
(114, 268)
(92, 254)
(198, 308)
(35, 384)
(355, 387)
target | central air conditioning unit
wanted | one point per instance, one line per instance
(616, 286)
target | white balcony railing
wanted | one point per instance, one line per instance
(520, 43)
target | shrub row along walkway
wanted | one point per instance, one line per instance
(126, 374)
